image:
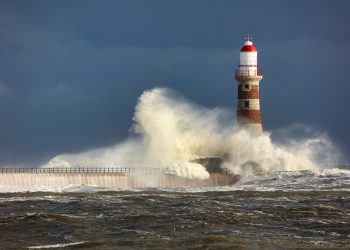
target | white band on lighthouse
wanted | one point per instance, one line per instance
(248, 104)
(255, 128)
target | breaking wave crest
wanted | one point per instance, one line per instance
(170, 131)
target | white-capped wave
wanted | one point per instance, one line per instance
(57, 245)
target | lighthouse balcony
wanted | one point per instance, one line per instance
(247, 72)
(242, 74)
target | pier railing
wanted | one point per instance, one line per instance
(102, 170)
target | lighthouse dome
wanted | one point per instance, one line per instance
(248, 47)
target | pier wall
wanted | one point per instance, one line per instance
(110, 180)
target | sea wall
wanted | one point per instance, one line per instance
(112, 180)
(63, 179)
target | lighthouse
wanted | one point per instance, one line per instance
(248, 76)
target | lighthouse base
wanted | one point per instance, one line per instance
(255, 129)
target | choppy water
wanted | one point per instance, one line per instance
(283, 210)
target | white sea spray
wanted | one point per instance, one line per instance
(170, 131)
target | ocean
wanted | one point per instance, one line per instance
(275, 210)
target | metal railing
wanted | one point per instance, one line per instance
(218, 171)
(81, 170)
(245, 72)
(103, 170)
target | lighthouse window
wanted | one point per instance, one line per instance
(246, 104)
(246, 87)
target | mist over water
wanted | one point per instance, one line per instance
(170, 131)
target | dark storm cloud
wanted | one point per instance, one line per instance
(71, 71)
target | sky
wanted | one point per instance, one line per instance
(71, 71)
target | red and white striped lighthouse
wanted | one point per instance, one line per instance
(248, 76)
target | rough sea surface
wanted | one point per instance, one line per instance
(291, 210)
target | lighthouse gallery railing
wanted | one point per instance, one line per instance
(247, 72)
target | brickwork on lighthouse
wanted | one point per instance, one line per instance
(248, 76)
